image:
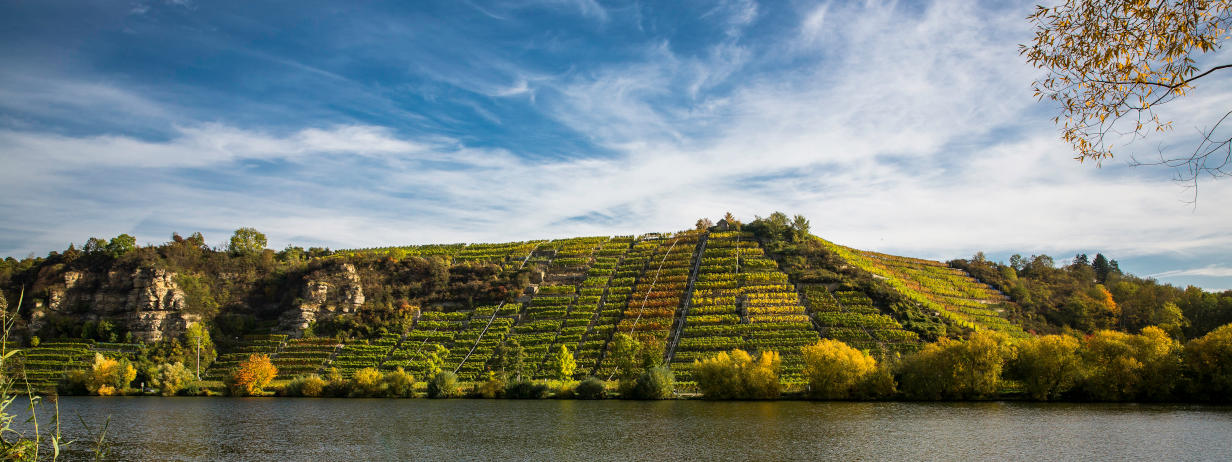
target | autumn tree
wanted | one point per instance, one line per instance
(1121, 366)
(171, 378)
(738, 375)
(834, 369)
(955, 369)
(251, 375)
(1209, 361)
(1048, 366)
(109, 376)
(1111, 63)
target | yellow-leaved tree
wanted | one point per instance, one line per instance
(834, 369)
(251, 375)
(1111, 63)
(109, 376)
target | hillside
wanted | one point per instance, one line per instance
(462, 307)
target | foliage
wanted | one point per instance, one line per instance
(1049, 366)
(834, 369)
(738, 375)
(1112, 63)
(109, 376)
(251, 376)
(590, 388)
(657, 382)
(309, 386)
(1209, 361)
(955, 369)
(366, 382)
(526, 389)
(247, 241)
(398, 383)
(443, 385)
(562, 364)
(1121, 366)
(171, 378)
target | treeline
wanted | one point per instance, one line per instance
(1104, 366)
(1092, 294)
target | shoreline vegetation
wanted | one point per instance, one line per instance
(724, 311)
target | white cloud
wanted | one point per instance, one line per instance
(1208, 271)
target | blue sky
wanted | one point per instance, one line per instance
(905, 127)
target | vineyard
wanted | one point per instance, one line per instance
(950, 293)
(688, 295)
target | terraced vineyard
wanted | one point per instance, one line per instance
(694, 293)
(44, 365)
(950, 292)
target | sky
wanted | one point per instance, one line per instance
(902, 127)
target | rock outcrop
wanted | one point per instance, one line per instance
(326, 293)
(146, 301)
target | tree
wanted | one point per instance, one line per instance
(109, 376)
(1112, 63)
(738, 375)
(703, 224)
(799, 228)
(1101, 267)
(656, 383)
(195, 333)
(517, 358)
(120, 245)
(366, 382)
(834, 369)
(247, 241)
(1209, 361)
(251, 375)
(1048, 366)
(562, 364)
(1121, 366)
(625, 351)
(955, 369)
(171, 378)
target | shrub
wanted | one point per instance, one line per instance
(492, 388)
(1209, 360)
(170, 378)
(590, 388)
(526, 389)
(834, 369)
(399, 384)
(738, 375)
(311, 386)
(443, 385)
(366, 382)
(656, 383)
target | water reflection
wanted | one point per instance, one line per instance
(281, 429)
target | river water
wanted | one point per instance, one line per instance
(374, 429)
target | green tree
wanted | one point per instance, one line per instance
(1110, 64)
(656, 383)
(443, 385)
(120, 245)
(562, 364)
(198, 335)
(247, 241)
(625, 353)
(955, 369)
(834, 369)
(1048, 366)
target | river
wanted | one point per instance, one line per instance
(374, 429)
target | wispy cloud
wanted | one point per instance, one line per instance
(1208, 271)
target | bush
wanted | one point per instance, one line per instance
(834, 369)
(443, 385)
(526, 389)
(590, 388)
(170, 378)
(366, 382)
(310, 386)
(492, 388)
(1209, 360)
(656, 383)
(109, 376)
(738, 375)
(399, 384)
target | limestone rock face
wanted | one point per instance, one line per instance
(146, 301)
(326, 293)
